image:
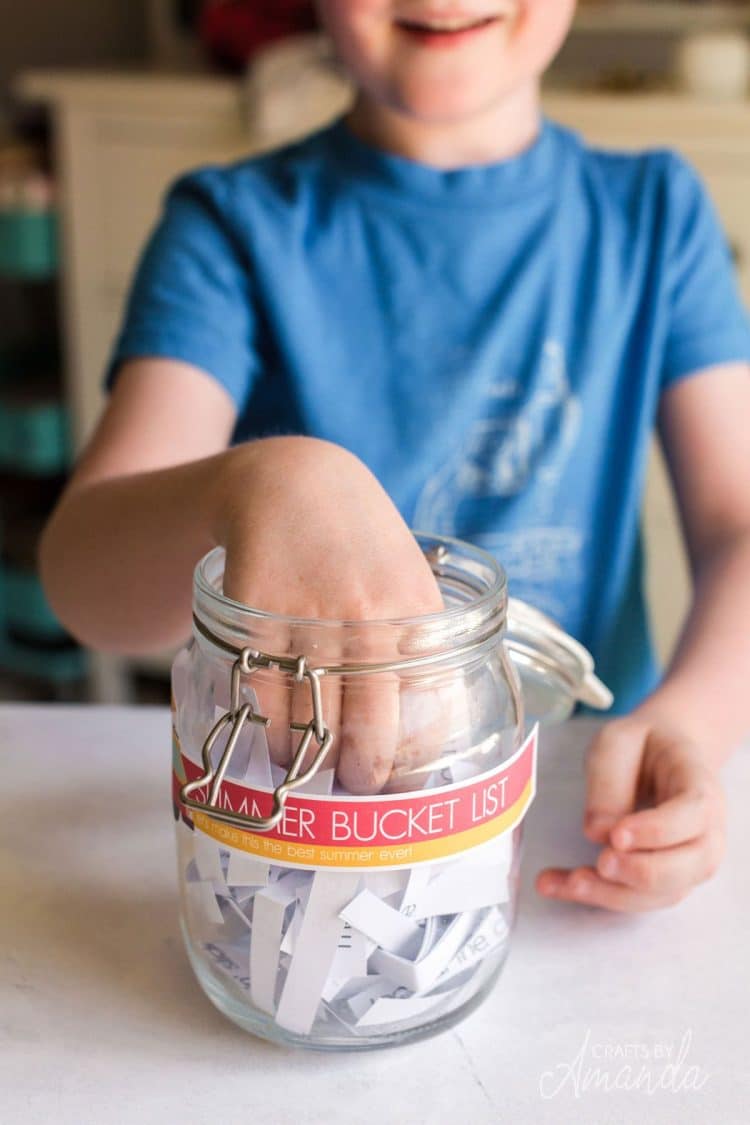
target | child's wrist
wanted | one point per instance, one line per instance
(266, 463)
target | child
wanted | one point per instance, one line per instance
(472, 321)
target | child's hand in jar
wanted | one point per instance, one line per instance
(310, 533)
(658, 808)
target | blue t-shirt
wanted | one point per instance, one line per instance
(491, 341)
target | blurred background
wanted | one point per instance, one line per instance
(104, 102)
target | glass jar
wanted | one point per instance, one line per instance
(556, 671)
(349, 800)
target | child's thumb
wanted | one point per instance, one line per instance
(612, 768)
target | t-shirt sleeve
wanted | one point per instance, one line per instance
(708, 323)
(191, 298)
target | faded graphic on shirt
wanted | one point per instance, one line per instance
(523, 439)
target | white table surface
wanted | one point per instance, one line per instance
(101, 1020)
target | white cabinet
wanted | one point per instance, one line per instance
(122, 138)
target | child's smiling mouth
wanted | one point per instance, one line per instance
(443, 30)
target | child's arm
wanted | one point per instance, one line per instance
(667, 753)
(704, 429)
(118, 552)
(308, 530)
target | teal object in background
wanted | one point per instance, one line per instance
(52, 665)
(33, 643)
(26, 609)
(28, 244)
(34, 436)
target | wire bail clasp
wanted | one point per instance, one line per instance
(248, 662)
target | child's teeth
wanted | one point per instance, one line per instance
(451, 25)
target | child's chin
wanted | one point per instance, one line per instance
(450, 104)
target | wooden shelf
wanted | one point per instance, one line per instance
(138, 89)
(613, 16)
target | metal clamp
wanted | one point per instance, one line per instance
(247, 662)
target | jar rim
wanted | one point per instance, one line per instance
(493, 596)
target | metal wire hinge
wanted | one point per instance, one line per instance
(248, 662)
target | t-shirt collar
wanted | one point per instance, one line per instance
(534, 168)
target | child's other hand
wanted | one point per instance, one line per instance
(309, 532)
(658, 808)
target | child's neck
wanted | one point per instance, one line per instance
(495, 134)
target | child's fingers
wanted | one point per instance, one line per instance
(267, 692)
(369, 731)
(301, 710)
(612, 765)
(635, 881)
(584, 885)
(271, 689)
(675, 821)
(273, 702)
(370, 714)
(434, 725)
(667, 871)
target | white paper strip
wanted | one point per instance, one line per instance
(349, 962)
(316, 949)
(386, 883)
(370, 989)
(231, 907)
(289, 944)
(245, 870)
(381, 923)
(420, 975)
(243, 895)
(491, 934)
(462, 888)
(269, 907)
(419, 877)
(235, 930)
(202, 903)
(497, 852)
(208, 858)
(304, 888)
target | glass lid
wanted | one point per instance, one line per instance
(541, 648)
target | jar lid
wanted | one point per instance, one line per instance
(540, 648)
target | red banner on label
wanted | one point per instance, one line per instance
(381, 831)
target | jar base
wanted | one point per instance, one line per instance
(230, 1000)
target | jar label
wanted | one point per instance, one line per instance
(341, 832)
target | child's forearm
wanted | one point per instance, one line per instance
(117, 557)
(706, 691)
